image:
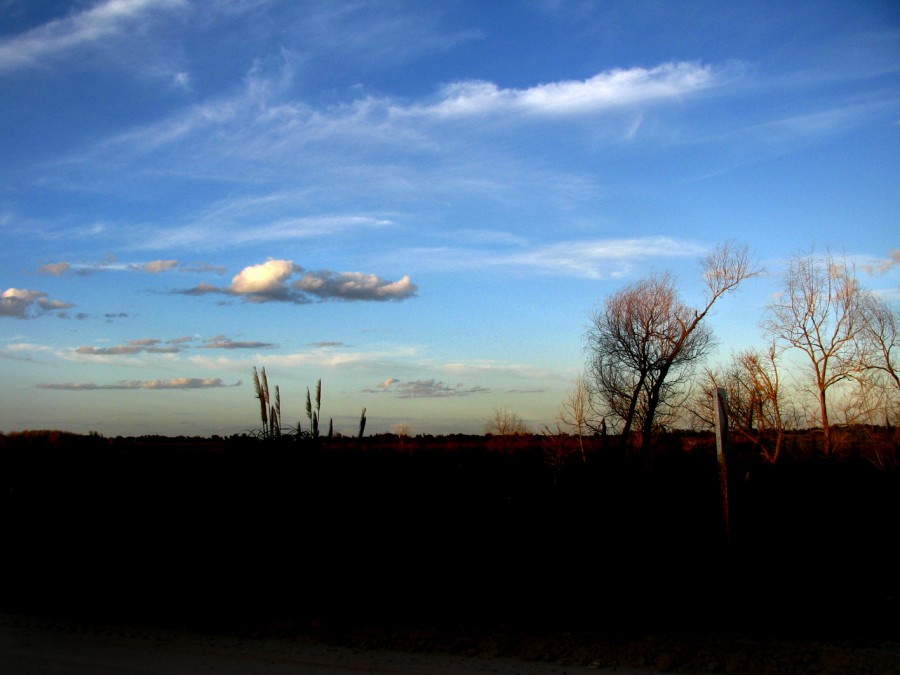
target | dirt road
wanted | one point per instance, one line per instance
(52, 647)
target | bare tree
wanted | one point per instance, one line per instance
(764, 384)
(630, 345)
(739, 393)
(557, 447)
(505, 423)
(644, 344)
(752, 382)
(821, 312)
(881, 340)
(575, 412)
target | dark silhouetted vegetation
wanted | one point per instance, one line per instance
(435, 530)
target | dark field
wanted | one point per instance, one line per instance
(460, 543)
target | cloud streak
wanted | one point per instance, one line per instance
(257, 219)
(425, 389)
(100, 23)
(883, 266)
(61, 268)
(268, 129)
(55, 269)
(586, 258)
(150, 346)
(604, 91)
(221, 342)
(175, 346)
(173, 383)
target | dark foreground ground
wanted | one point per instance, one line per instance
(42, 645)
(470, 549)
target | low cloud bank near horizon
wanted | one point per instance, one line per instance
(172, 383)
(61, 268)
(174, 346)
(424, 389)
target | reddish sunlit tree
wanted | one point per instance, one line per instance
(645, 342)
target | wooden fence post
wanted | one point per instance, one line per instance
(721, 444)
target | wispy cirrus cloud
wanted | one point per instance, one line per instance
(150, 267)
(103, 21)
(23, 351)
(329, 356)
(377, 31)
(21, 303)
(238, 228)
(222, 342)
(491, 368)
(607, 90)
(401, 151)
(586, 258)
(596, 259)
(271, 282)
(884, 265)
(55, 269)
(172, 383)
(268, 127)
(155, 266)
(144, 345)
(432, 389)
(174, 346)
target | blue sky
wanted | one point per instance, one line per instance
(419, 203)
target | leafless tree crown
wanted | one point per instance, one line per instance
(644, 343)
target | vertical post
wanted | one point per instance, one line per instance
(721, 443)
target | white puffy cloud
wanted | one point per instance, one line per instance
(267, 279)
(354, 286)
(21, 303)
(15, 301)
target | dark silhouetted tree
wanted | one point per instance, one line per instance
(644, 343)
